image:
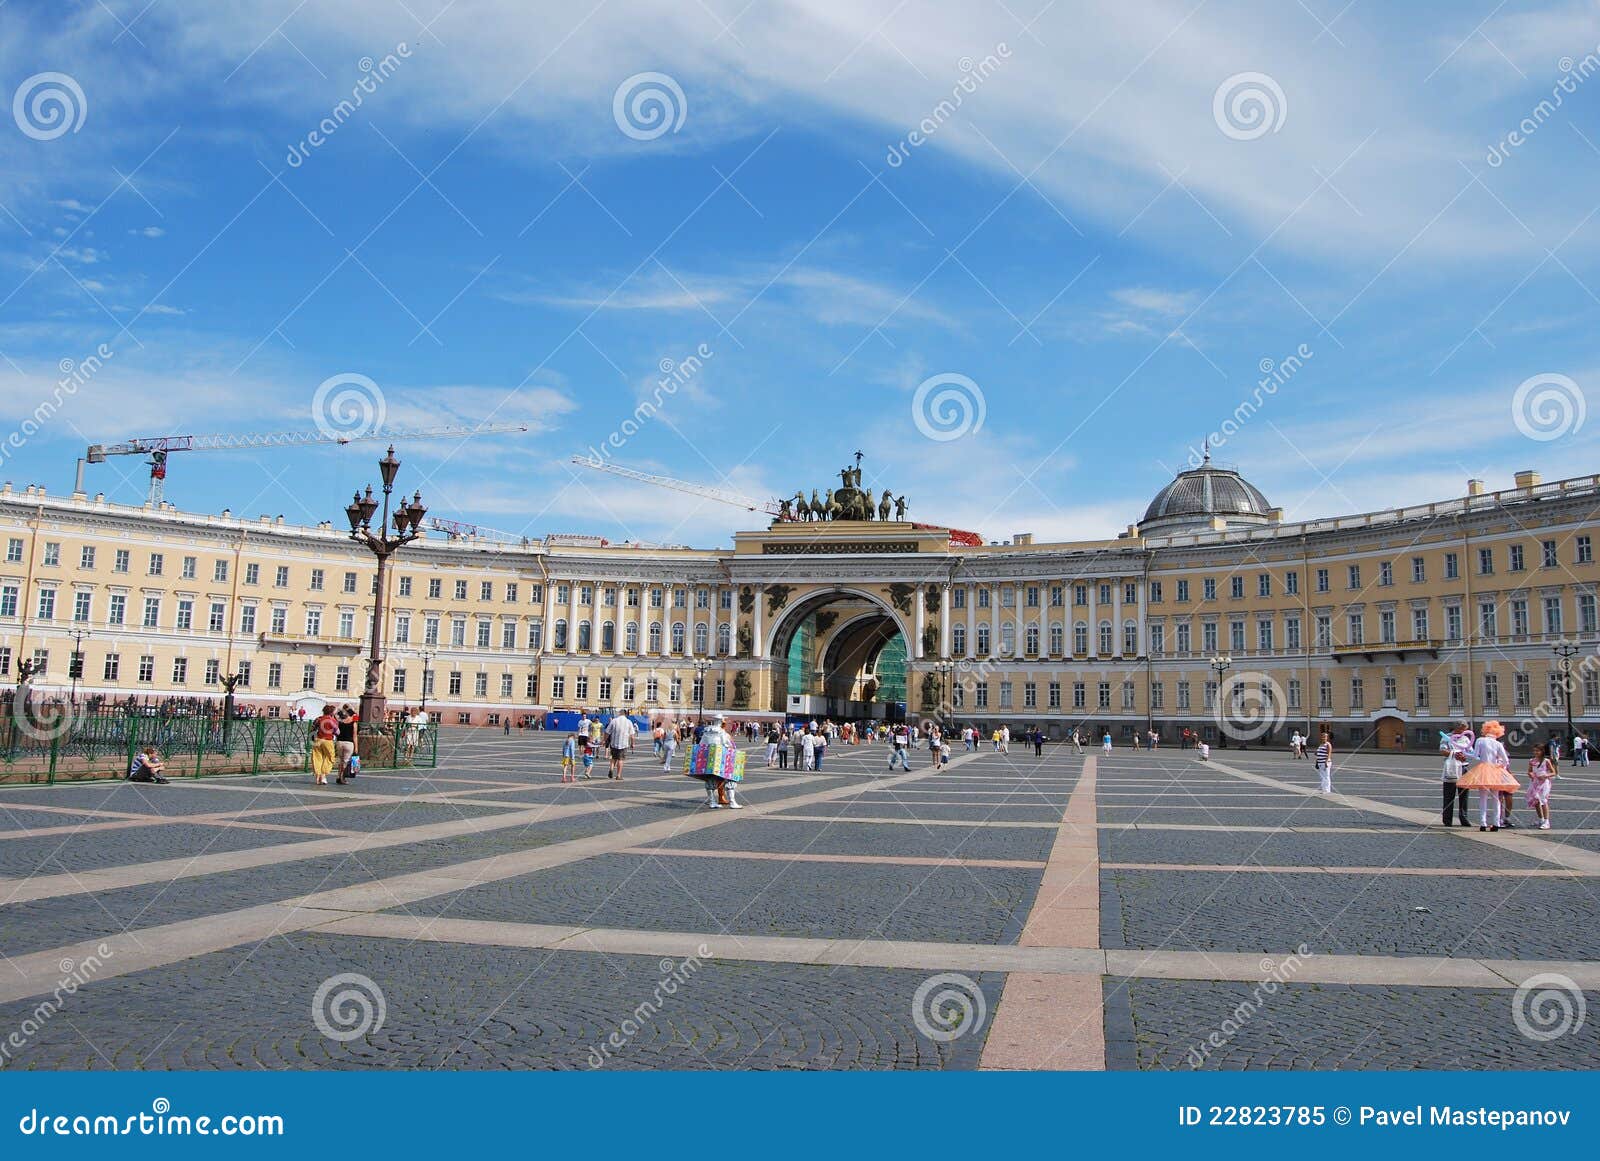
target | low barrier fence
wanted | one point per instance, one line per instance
(50, 747)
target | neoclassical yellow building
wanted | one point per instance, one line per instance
(1384, 625)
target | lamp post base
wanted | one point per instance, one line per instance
(374, 709)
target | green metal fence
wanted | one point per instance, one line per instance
(61, 747)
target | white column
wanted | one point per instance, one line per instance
(994, 620)
(757, 629)
(1094, 618)
(1144, 632)
(918, 620)
(944, 620)
(972, 620)
(572, 618)
(1116, 619)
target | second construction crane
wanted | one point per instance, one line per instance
(159, 447)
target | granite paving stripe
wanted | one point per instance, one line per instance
(35, 973)
(907, 820)
(1057, 1022)
(814, 857)
(163, 870)
(69, 855)
(1322, 1027)
(1331, 847)
(550, 1010)
(1304, 869)
(787, 897)
(1577, 859)
(1341, 913)
(944, 840)
(396, 815)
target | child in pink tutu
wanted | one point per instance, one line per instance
(1488, 748)
(1541, 769)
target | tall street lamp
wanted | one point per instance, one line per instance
(945, 668)
(407, 520)
(1567, 651)
(427, 659)
(702, 666)
(1221, 664)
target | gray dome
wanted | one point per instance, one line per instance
(1202, 493)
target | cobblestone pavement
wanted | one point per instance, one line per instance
(515, 922)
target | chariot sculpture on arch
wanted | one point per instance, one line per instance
(849, 501)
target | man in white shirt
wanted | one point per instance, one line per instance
(620, 732)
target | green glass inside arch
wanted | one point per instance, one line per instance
(802, 662)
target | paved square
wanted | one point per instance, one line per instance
(1131, 910)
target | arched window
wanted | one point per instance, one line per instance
(1008, 639)
(561, 634)
(677, 636)
(608, 637)
(1058, 638)
(1030, 639)
(725, 639)
(1105, 638)
(535, 635)
(702, 639)
(983, 640)
(585, 636)
(1080, 637)
(1130, 639)
(630, 637)
(655, 636)
(958, 640)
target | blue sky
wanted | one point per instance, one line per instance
(1098, 238)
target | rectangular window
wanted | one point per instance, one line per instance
(508, 635)
(511, 593)
(274, 675)
(318, 579)
(219, 572)
(1264, 585)
(152, 612)
(1519, 617)
(1183, 592)
(1552, 615)
(1586, 613)
(1485, 562)
(1515, 561)
(123, 561)
(14, 550)
(480, 685)
(1419, 570)
(280, 579)
(458, 631)
(280, 620)
(308, 677)
(402, 629)
(9, 595)
(1294, 693)
(1236, 587)
(147, 667)
(1548, 550)
(1325, 693)
(1208, 589)
(347, 625)
(1522, 689)
(405, 586)
(1419, 624)
(484, 630)
(185, 617)
(313, 622)
(1355, 629)
(52, 554)
(1584, 550)
(1055, 695)
(1322, 580)
(1488, 620)
(247, 618)
(180, 670)
(252, 574)
(1452, 622)
(1386, 626)
(1452, 566)
(1291, 583)
(86, 556)
(349, 582)
(190, 567)
(157, 563)
(47, 604)
(1491, 690)
(1385, 573)
(113, 666)
(1291, 633)
(81, 605)
(1355, 576)
(1183, 695)
(1264, 636)
(213, 673)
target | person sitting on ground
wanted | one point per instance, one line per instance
(147, 767)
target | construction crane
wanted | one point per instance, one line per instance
(771, 507)
(158, 448)
(456, 530)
